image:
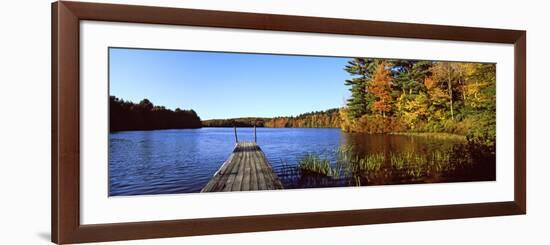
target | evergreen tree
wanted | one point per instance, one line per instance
(360, 101)
(409, 75)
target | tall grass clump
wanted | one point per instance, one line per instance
(440, 161)
(369, 163)
(400, 160)
(312, 163)
(345, 149)
(417, 165)
(344, 153)
(439, 135)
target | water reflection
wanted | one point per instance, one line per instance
(364, 159)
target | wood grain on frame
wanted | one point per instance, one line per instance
(66, 17)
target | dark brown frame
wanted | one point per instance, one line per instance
(66, 227)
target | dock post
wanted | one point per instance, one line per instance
(235, 131)
(255, 134)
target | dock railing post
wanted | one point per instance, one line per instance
(235, 131)
(255, 133)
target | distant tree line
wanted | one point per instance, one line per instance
(421, 96)
(317, 119)
(126, 115)
(235, 122)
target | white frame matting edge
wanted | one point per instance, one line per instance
(96, 207)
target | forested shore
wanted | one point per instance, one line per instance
(390, 96)
(316, 119)
(235, 122)
(126, 115)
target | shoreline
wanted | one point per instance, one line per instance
(417, 134)
(432, 135)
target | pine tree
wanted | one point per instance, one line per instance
(409, 75)
(360, 101)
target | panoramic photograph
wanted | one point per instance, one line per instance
(203, 121)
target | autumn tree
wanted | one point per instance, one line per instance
(480, 103)
(380, 87)
(413, 111)
(450, 75)
(438, 98)
(479, 88)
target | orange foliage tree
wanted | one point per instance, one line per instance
(380, 86)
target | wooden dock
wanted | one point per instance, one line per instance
(246, 169)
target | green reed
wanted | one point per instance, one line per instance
(418, 165)
(344, 153)
(440, 161)
(369, 163)
(442, 136)
(357, 180)
(410, 163)
(315, 164)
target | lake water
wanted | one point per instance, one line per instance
(184, 160)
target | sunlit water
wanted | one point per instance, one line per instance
(184, 160)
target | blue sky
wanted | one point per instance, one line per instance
(228, 85)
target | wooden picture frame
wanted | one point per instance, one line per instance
(65, 175)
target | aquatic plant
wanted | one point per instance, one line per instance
(400, 160)
(417, 165)
(369, 163)
(415, 172)
(440, 161)
(410, 164)
(357, 180)
(344, 154)
(345, 149)
(434, 135)
(314, 164)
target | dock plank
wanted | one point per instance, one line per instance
(237, 183)
(253, 175)
(245, 185)
(231, 175)
(259, 173)
(246, 169)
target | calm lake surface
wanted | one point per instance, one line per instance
(184, 160)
